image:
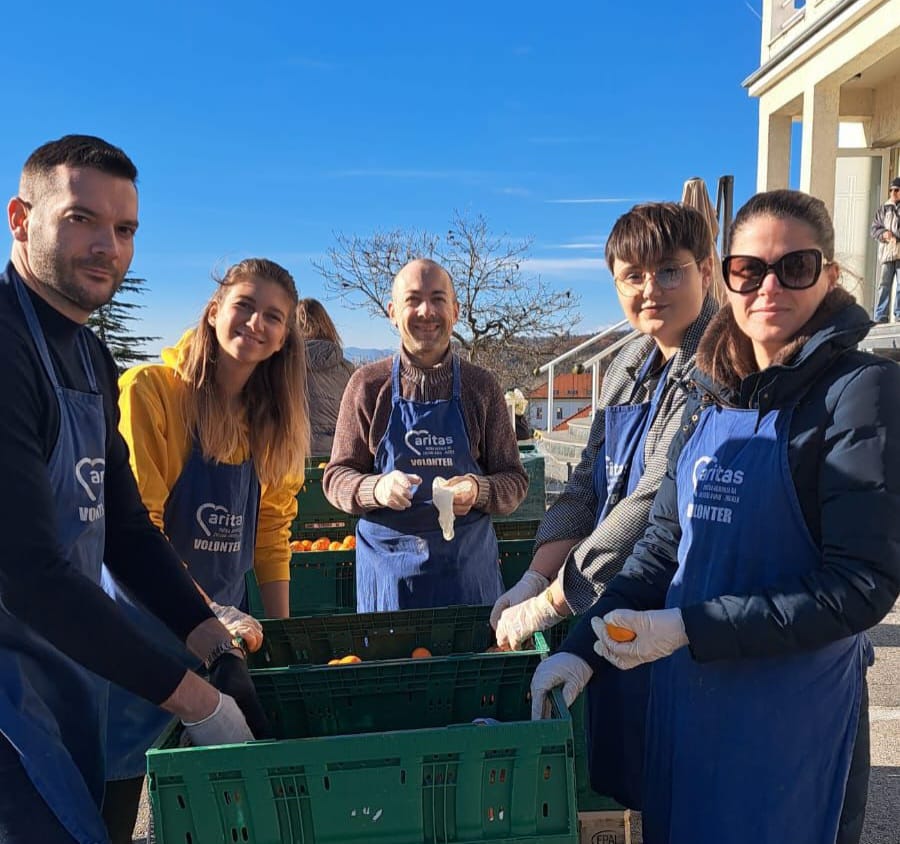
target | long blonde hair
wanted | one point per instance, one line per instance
(274, 424)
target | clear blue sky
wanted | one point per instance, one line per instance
(263, 128)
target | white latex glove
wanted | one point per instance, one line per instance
(531, 583)
(465, 493)
(561, 669)
(240, 624)
(395, 489)
(226, 724)
(442, 498)
(520, 621)
(658, 633)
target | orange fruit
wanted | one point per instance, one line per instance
(296, 545)
(349, 542)
(321, 466)
(335, 546)
(321, 544)
(620, 634)
(420, 653)
(350, 659)
(334, 662)
(306, 544)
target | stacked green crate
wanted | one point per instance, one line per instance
(534, 504)
(315, 513)
(388, 750)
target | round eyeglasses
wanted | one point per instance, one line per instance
(795, 270)
(668, 277)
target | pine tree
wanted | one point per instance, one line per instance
(112, 324)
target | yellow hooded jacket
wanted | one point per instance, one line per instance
(160, 445)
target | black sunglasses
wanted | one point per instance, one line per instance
(794, 271)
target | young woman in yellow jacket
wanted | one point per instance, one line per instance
(218, 434)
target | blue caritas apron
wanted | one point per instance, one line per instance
(210, 519)
(745, 751)
(617, 700)
(52, 710)
(402, 558)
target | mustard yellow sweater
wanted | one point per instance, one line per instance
(160, 445)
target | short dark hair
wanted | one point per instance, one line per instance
(653, 231)
(790, 205)
(79, 151)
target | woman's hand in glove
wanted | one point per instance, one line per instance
(561, 669)
(658, 633)
(240, 624)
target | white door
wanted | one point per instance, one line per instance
(857, 193)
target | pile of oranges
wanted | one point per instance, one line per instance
(353, 659)
(323, 543)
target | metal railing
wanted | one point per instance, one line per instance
(550, 367)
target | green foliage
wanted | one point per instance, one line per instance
(113, 324)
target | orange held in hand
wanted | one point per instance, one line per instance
(620, 634)
(420, 653)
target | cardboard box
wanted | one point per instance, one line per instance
(604, 827)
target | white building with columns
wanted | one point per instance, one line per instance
(831, 68)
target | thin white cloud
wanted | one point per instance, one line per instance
(564, 266)
(514, 191)
(578, 245)
(593, 200)
(390, 173)
(757, 14)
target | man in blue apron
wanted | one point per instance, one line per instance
(69, 502)
(406, 421)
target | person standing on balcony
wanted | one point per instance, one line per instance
(773, 545)
(327, 373)
(660, 258)
(886, 230)
(404, 421)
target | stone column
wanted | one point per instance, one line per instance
(773, 165)
(818, 150)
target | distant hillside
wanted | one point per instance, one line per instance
(357, 355)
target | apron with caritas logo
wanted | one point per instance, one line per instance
(617, 700)
(210, 519)
(746, 750)
(402, 558)
(52, 710)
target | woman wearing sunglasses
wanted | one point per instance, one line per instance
(660, 255)
(774, 543)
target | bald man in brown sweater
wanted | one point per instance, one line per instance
(404, 421)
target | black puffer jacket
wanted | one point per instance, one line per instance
(844, 455)
(327, 374)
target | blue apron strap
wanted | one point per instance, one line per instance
(37, 333)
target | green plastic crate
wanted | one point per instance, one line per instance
(314, 640)
(385, 752)
(314, 511)
(517, 529)
(515, 557)
(322, 583)
(535, 503)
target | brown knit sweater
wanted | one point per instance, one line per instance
(349, 479)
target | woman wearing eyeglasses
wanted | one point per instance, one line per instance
(660, 255)
(774, 543)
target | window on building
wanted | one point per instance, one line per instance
(540, 412)
(559, 413)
